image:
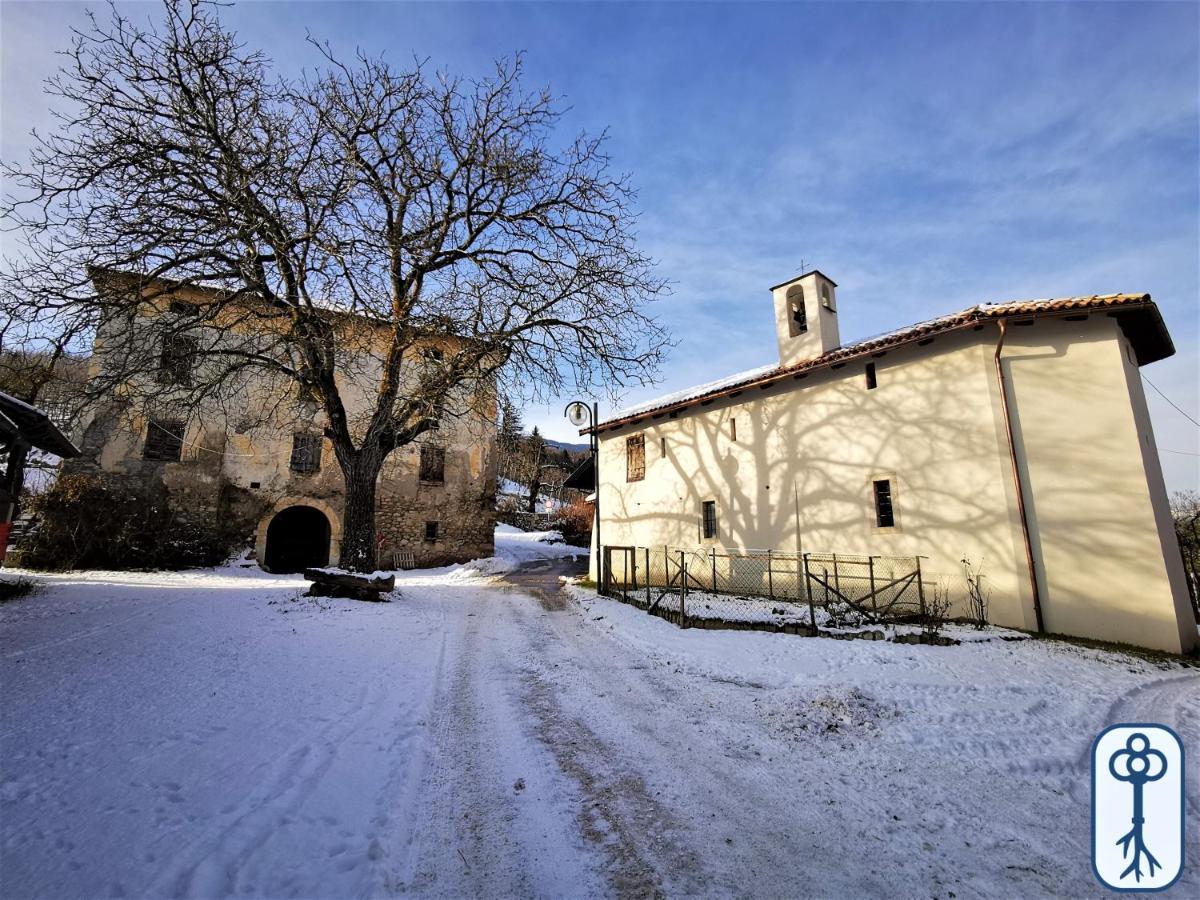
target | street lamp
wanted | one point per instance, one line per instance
(577, 413)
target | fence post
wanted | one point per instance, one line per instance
(647, 576)
(603, 571)
(871, 575)
(837, 582)
(682, 590)
(770, 579)
(633, 562)
(920, 589)
(714, 569)
(812, 612)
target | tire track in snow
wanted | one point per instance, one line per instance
(1174, 702)
(478, 833)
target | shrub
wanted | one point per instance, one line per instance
(575, 522)
(936, 608)
(15, 588)
(91, 520)
(977, 596)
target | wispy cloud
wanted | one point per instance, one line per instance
(927, 156)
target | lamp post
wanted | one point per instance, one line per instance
(577, 413)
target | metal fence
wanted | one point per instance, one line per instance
(766, 589)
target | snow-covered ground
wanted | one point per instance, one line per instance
(515, 548)
(212, 733)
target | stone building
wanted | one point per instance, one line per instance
(255, 462)
(1013, 434)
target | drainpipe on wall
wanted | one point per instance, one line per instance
(1017, 483)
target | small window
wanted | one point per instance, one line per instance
(431, 531)
(884, 516)
(433, 465)
(635, 457)
(663, 444)
(797, 320)
(709, 510)
(183, 308)
(306, 453)
(432, 354)
(164, 440)
(871, 382)
(733, 429)
(175, 364)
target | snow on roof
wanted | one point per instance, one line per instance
(904, 335)
(689, 393)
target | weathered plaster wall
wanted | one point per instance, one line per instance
(235, 465)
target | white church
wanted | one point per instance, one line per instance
(1015, 434)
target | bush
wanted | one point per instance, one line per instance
(15, 588)
(575, 522)
(98, 521)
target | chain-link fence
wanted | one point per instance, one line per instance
(765, 588)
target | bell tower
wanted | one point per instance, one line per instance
(806, 324)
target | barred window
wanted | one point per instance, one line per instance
(164, 440)
(431, 531)
(709, 509)
(433, 465)
(306, 453)
(872, 382)
(635, 457)
(884, 516)
(178, 355)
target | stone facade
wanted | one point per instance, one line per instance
(236, 469)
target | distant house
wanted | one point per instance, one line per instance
(1014, 434)
(258, 462)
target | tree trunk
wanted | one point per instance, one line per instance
(535, 488)
(358, 515)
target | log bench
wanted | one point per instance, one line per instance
(350, 585)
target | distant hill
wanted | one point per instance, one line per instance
(570, 448)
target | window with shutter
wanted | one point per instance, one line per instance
(635, 457)
(178, 355)
(433, 465)
(306, 453)
(164, 440)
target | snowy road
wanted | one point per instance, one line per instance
(209, 734)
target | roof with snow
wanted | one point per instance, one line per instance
(19, 420)
(1137, 313)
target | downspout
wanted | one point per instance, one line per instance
(1017, 483)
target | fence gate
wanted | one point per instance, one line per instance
(618, 573)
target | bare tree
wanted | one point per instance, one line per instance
(427, 210)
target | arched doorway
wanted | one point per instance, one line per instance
(297, 539)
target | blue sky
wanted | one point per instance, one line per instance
(925, 156)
